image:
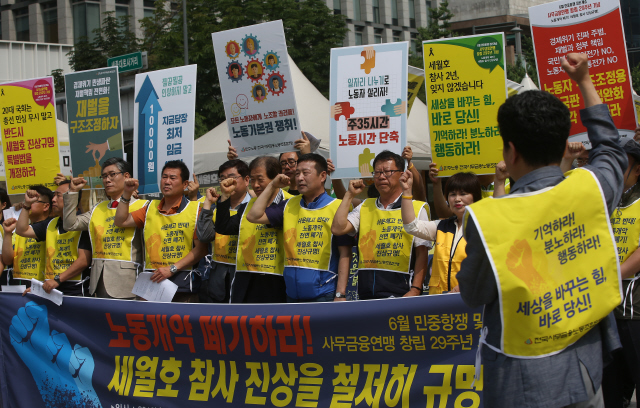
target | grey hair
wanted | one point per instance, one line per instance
(123, 166)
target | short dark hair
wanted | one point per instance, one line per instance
(239, 165)
(44, 191)
(271, 165)
(62, 183)
(4, 197)
(295, 151)
(386, 155)
(122, 165)
(254, 65)
(321, 162)
(538, 124)
(235, 66)
(177, 164)
(271, 57)
(467, 182)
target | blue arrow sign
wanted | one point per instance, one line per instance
(148, 108)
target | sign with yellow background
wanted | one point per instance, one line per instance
(465, 85)
(29, 136)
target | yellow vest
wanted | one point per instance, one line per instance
(307, 234)
(544, 248)
(259, 246)
(383, 243)
(626, 228)
(168, 238)
(489, 192)
(62, 251)
(28, 258)
(107, 240)
(225, 246)
(445, 267)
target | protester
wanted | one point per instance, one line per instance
(307, 144)
(316, 265)
(388, 266)
(501, 268)
(116, 252)
(623, 374)
(260, 257)
(67, 254)
(461, 190)
(26, 255)
(169, 230)
(5, 202)
(223, 264)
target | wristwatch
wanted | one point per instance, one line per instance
(173, 269)
(57, 279)
(340, 295)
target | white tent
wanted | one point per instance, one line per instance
(527, 84)
(313, 109)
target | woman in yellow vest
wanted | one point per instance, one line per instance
(461, 190)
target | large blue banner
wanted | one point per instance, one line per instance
(407, 352)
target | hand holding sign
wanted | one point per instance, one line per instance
(232, 153)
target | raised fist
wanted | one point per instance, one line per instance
(77, 184)
(280, 181)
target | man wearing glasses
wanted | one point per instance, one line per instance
(392, 263)
(67, 253)
(223, 265)
(116, 252)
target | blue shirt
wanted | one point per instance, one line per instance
(305, 283)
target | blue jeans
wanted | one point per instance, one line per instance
(324, 298)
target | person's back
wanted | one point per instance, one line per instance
(562, 368)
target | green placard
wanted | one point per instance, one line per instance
(127, 62)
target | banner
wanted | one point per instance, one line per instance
(368, 106)
(406, 352)
(163, 123)
(416, 79)
(94, 119)
(257, 90)
(594, 28)
(29, 134)
(466, 84)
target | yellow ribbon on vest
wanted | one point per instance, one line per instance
(259, 246)
(168, 238)
(107, 240)
(307, 234)
(383, 243)
(225, 246)
(28, 258)
(626, 228)
(555, 263)
(61, 251)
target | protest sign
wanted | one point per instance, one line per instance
(408, 352)
(416, 79)
(257, 90)
(594, 28)
(29, 134)
(163, 123)
(465, 81)
(368, 98)
(93, 116)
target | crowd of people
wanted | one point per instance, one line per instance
(273, 234)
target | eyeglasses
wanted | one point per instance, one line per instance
(111, 175)
(582, 161)
(230, 177)
(386, 173)
(288, 163)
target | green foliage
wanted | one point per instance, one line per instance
(440, 24)
(58, 80)
(311, 30)
(635, 78)
(516, 72)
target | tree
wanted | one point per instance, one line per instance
(516, 72)
(635, 78)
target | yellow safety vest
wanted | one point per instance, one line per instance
(28, 258)
(259, 246)
(168, 238)
(62, 251)
(446, 267)
(489, 192)
(107, 240)
(307, 234)
(626, 228)
(383, 243)
(545, 251)
(225, 246)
